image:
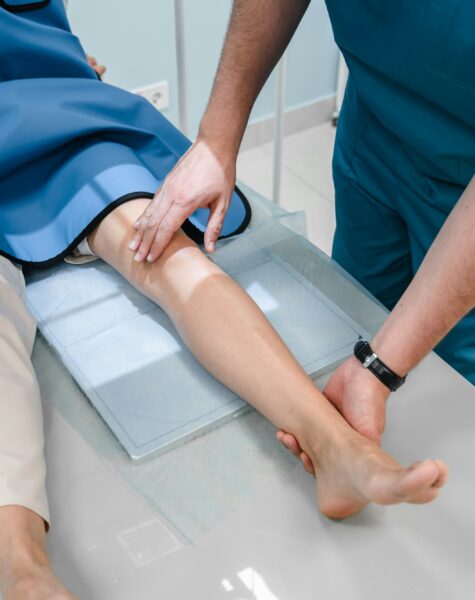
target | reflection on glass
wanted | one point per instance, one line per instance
(262, 297)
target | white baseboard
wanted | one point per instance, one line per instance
(295, 120)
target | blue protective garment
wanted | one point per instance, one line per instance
(72, 147)
(405, 147)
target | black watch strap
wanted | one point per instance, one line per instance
(373, 363)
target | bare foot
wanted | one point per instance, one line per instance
(352, 471)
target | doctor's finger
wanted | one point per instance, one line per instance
(215, 225)
(141, 228)
(147, 233)
(289, 442)
(307, 463)
(136, 240)
(150, 218)
(166, 230)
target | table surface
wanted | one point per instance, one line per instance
(231, 516)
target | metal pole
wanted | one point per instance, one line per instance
(181, 66)
(340, 89)
(279, 130)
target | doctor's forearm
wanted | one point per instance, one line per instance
(258, 33)
(442, 292)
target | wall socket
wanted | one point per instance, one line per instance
(157, 94)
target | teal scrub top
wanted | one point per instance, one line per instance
(405, 148)
(412, 63)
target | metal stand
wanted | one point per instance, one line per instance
(340, 90)
(181, 66)
(279, 130)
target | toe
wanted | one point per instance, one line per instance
(418, 484)
(425, 496)
(422, 482)
(443, 474)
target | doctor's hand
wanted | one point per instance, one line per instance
(359, 396)
(199, 180)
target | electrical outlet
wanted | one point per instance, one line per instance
(157, 94)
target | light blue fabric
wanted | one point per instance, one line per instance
(71, 146)
(405, 147)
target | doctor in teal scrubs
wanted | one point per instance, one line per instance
(403, 167)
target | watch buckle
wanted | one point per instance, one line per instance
(369, 360)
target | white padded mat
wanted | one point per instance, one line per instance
(125, 354)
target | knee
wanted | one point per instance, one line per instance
(180, 251)
(181, 265)
(180, 241)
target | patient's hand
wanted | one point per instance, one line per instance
(99, 69)
(199, 180)
(361, 399)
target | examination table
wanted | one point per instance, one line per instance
(234, 516)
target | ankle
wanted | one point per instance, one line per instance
(321, 431)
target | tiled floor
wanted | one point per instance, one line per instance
(306, 178)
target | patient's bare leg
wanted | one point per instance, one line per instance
(231, 338)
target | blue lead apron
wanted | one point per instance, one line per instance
(72, 148)
(405, 148)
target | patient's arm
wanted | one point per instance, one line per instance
(233, 340)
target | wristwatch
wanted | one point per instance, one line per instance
(373, 363)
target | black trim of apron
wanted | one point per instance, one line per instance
(191, 231)
(198, 236)
(24, 7)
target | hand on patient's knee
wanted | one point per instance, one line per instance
(200, 180)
